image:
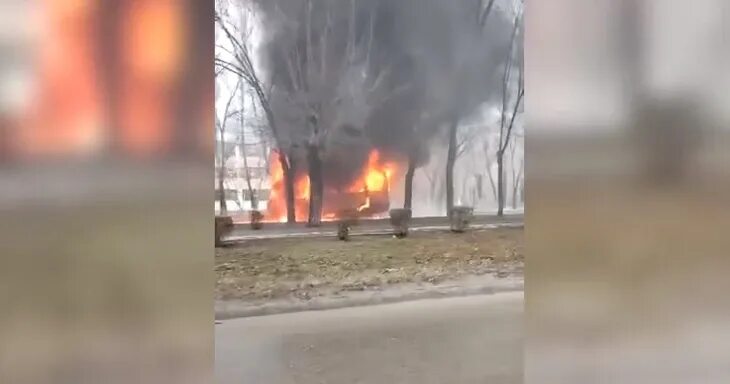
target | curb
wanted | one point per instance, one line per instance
(231, 309)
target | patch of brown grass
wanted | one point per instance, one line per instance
(303, 268)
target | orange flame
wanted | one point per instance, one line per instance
(375, 176)
(373, 179)
(365, 206)
(276, 208)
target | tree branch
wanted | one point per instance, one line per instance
(245, 69)
(485, 13)
(514, 115)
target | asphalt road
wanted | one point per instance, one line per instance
(242, 232)
(474, 339)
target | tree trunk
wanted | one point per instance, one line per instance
(408, 195)
(491, 181)
(516, 186)
(500, 183)
(289, 170)
(222, 192)
(242, 142)
(316, 186)
(522, 193)
(222, 175)
(450, 160)
(251, 191)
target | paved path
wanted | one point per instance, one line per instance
(242, 232)
(475, 339)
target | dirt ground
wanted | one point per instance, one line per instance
(305, 268)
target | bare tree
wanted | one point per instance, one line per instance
(460, 140)
(519, 180)
(450, 162)
(329, 82)
(515, 171)
(408, 185)
(488, 158)
(436, 185)
(221, 123)
(417, 146)
(482, 13)
(432, 182)
(414, 157)
(260, 130)
(242, 145)
(505, 129)
(243, 66)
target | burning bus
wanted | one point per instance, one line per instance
(368, 195)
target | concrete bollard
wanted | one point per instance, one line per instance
(348, 219)
(256, 218)
(460, 217)
(343, 231)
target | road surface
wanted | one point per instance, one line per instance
(242, 231)
(475, 339)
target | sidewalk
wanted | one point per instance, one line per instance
(355, 231)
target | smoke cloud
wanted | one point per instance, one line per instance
(353, 75)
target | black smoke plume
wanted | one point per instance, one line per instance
(377, 74)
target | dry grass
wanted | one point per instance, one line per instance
(304, 268)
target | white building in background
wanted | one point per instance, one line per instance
(238, 159)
